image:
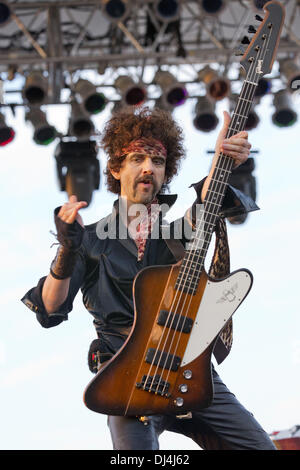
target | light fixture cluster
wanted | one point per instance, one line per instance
(119, 10)
(85, 102)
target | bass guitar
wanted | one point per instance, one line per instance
(164, 367)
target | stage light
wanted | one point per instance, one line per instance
(116, 10)
(161, 103)
(291, 72)
(212, 7)
(5, 13)
(44, 133)
(80, 125)
(117, 106)
(252, 120)
(174, 93)
(167, 10)
(205, 119)
(217, 86)
(35, 90)
(86, 93)
(284, 115)
(78, 168)
(264, 86)
(242, 179)
(134, 94)
(7, 133)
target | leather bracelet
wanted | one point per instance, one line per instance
(59, 278)
(63, 264)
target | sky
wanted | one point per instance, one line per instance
(43, 372)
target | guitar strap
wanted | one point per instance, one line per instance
(176, 248)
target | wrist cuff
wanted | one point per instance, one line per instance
(63, 264)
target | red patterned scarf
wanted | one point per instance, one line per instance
(144, 228)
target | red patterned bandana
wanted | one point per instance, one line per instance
(147, 145)
(145, 227)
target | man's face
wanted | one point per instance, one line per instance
(141, 176)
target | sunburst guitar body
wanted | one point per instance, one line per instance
(164, 365)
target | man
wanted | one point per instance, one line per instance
(144, 149)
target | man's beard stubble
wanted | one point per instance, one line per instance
(146, 179)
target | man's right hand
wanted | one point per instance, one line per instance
(69, 211)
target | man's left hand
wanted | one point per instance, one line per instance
(236, 147)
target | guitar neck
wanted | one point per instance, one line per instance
(193, 262)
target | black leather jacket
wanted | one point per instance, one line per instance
(105, 270)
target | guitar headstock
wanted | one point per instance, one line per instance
(261, 52)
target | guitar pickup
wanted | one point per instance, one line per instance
(175, 321)
(162, 359)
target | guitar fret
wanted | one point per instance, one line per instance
(244, 99)
(203, 242)
(223, 169)
(195, 269)
(190, 282)
(207, 212)
(215, 203)
(193, 265)
(214, 192)
(240, 115)
(205, 221)
(220, 182)
(234, 129)
(252, 83)
(201, 237)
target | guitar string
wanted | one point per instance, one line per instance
(262, 51)
(236, 113)
(226, 157)
(228, 163)
(165, 328)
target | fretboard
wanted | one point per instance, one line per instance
(193, 261)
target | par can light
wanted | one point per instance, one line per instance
(7, 133)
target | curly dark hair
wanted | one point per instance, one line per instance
(129, 124)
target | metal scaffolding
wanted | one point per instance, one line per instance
(62, 38)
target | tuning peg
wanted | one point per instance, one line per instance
(259, 18)
(245, 40)
(239, 51)
(251, 29)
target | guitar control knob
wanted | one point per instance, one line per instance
(187, 374)
(183, 388)
(179, 401)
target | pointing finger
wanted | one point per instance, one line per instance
(73, 198)
(69, 211)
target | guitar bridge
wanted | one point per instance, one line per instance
(154, 384)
